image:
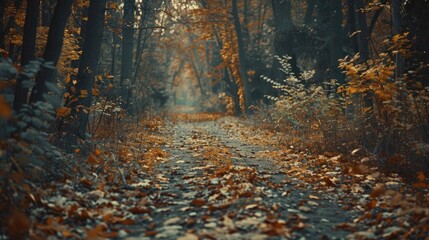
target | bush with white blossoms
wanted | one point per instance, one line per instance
(301, 107)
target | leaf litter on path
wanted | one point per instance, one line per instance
(222, 179)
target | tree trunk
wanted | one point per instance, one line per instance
(208, 65)
(309, 12)
(115, 42)
(28, 51)
(283, 40)
(233, 90)
(396, 17)
(324, 31)
(9, 23)
(374, 19)
(363, 36)
(415, 20)
(261, 17)
(81, 13)
(88, 66)
(397, 29)
(2, 9)
(351, 22)
(192, 59)
(140, 39)
(47, 6)
(242, 58)
(245, 28)
(336, 38)
(363, 39)
(195, 60)
(127, 50)
(53, 48)
(227, 76)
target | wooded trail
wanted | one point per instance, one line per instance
(217, 185)
(117, 119)
(207, 176)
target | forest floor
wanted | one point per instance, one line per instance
(204, 176)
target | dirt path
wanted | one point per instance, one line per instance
(215, 185)
(224, 179)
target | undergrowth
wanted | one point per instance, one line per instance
(28, 159)
(118, 151)
(379, 110)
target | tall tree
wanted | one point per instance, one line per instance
(284, 39)
(309, 12)
(396, 16)
(324, 24)
(336, 38)
(242, 58)
(415, 20)
(232, 87)
(9, 23)
(127, 49)
(2, 12)
(53, 48)
(88, 67)
(245, 27)
(141, 39)
(363, 37)
(28, 51)
(397, 29)
(351, 23)
(47, 6)
(375, 17)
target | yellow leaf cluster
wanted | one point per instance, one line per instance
(70, 52)
(63, 112)
(376, 79)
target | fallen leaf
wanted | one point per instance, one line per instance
(93, 234)
(392, 232)
(421, 176)
(198, 202)
(361, 235)
(139, 210)
(151, 233)
(355, 151)
(210, 225)
(227, 222)
(172, 221)
(351, 227)
(18, 224)
(251, 206)
(247, 222)
(188, 236)
(328, 182)
(378, 191)
(304, 208)
(313, 197)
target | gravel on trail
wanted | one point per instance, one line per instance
(216, 185)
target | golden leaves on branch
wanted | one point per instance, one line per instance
(63, 112)
(377, 79)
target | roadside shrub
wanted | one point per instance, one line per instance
(27, 157)
(380, 109)
(308, 113)
(391, 108)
